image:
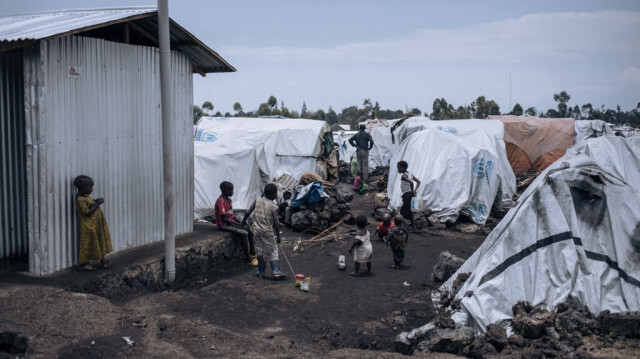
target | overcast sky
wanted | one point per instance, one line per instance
(407, 53)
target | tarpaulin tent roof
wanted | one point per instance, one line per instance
(572, 237)
(235, 149)
(535, 143)
(458, 173)
(384, 142)
(585, 129)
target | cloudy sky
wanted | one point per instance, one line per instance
(407, 52)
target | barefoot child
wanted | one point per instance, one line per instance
(397, 240)
(266, 232)
(226, 221)
(95, 241)
(362, 244)
(384, 227)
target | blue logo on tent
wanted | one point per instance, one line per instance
(451, 130)
(222, 119)
(206, 137)
(483, 169)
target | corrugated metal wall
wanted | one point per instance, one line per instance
(13, 180)
(93, 108)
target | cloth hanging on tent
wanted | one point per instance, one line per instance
(310, 193)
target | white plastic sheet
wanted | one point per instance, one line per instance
(250, 152)
(574, 236)
(585, 129)
(456, 174)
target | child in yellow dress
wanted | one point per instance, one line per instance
(95, 241)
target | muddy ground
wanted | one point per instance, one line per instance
(228, 312)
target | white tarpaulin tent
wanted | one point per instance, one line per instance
(458, 174)
(345, 150)
(250, 152)
(585, 129)
(384, 142)
(574, 236)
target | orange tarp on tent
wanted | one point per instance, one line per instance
(534, 142)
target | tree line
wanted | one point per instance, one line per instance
(441, 110)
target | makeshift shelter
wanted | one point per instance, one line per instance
(459, 173)
(573, 237)
(535, 143)
(345, 150)
(80, 94)
(384, 141)
(586, 129)
(251, 152)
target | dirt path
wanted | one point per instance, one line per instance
(228, 312)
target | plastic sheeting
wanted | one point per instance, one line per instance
(345, 150)
(251, 152)
(458, 173)
(385, 141)
(585, 129)
(573, 237)
(540, 141)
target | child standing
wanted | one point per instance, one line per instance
(384, 227)
(408, 190)
(266, 231)
(362, 244)
(95, 240)
(397, 240)
(226, 221)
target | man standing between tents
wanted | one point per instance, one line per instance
(363, 142)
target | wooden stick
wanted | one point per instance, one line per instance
(326, 230)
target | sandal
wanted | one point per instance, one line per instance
(88, 267)
(106, 264)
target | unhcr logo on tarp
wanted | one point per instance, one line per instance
(201, 136)
(451, 130)
(221, 119)
(483, 169)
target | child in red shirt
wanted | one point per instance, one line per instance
(384, 227)
(226, 221)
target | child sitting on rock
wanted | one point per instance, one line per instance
(266, 232)
(384, 227)
(362, 244)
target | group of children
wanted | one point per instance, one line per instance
(259, 241)
(393, 233)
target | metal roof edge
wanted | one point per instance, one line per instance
(43, 12)
(200, 43)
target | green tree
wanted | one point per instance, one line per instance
(237, 107)
(349, 115)
(319, 115)
(263, 110)
(481, 108)
(461, 113)
(273, 102)
(303, 111)
(587, 110)
(441, 110)
(197, 113)
(207, 106)
(531, 111)
(562, 98)
(332, 116)
(517, 110)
